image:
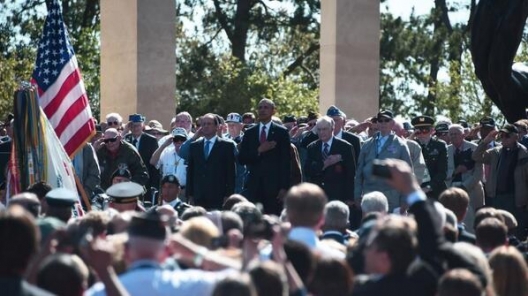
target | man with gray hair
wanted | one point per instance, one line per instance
(335, 226)
(374, 201)
(330, 163)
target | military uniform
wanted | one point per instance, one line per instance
(178, 205)
(435, 154)
(126, 193)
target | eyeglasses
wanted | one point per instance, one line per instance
(383, 120)
(112, 122)
(177, 140)
(111, 140)
(441, 134)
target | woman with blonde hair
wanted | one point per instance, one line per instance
(510, 273)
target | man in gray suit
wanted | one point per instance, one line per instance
(464, 172)
(384, 144)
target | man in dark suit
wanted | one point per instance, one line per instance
(211, 167)
(265, 150)
(146, 145)
(435, 154)
(339, 118)
(330, 163)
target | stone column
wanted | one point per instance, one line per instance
(138, 59)
(349, 57)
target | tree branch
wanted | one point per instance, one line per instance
(312, 76)
(222, 19)
(298, 62)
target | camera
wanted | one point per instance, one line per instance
(379, 169)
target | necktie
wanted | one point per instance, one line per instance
(206, 149)
(263, 134)
(325, 151)
(134, 142)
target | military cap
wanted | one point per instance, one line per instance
(61, 197)
(463, 123)
(289, 118)
(422, 121)
(170, 179)
(148, 225)
(136, 118)
(385, 114)
(334, 111)
(442, 128)
(124, 192)
(234, 117)
(121, 172)
(179, 133)
(509, 129)
(487, 121)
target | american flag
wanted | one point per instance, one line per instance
(60, 86)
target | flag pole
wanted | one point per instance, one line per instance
(80, 189)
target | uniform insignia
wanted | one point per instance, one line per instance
(434, 152)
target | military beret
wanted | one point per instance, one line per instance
(48, 225)
(334, 111)
(509, 129)
(234, 117)
(148, 225)
(124, 192)
(170, 179)
(487, 121)
(385, 114)
(422, 121)
(61, 197)
(136, 118)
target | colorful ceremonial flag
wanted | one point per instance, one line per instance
(60, 86)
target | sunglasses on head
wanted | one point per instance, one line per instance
(383, 120)
(111, 140)
(112, 122)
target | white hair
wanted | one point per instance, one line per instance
(336, 215)
(374, 201)
(457, 127)
(114, 115)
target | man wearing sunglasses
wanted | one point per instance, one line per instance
(435, 154)
(167, 158)
(507, 185)
(114, 153)
(382, 145)
(114, 120)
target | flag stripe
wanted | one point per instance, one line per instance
(67, 86)
(73, 129)
(63, 108)
(76, 143)
(73, 111)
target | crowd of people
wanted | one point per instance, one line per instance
(255, 205)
